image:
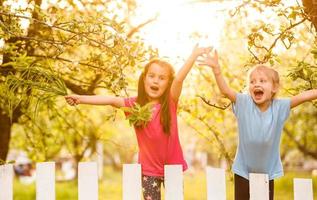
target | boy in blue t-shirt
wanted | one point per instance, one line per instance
(261, 118)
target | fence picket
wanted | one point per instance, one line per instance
(216, 183)
(303, 189)
(173, 182)
(100, 159)
(6, 182)
(131, 182)
(87, 181)
(259, 186)
(45, 181)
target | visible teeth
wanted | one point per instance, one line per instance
(154, 88)
(258, 92)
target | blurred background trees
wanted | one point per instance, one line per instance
(88, 45)
(94, 47)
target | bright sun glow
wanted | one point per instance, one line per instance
(179, 26)
(178, 21)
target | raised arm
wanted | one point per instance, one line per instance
(212, 61)
(303, 97)
(72, 100)
(177, 84)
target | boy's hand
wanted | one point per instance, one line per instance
(200, 51)
(211, 61)
(72, 99)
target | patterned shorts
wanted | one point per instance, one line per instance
(151, 187)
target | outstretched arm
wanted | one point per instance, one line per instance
(72, 100)
(212, 61)
(303, 97)
(177, 84)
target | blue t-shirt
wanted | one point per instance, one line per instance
(259, 136)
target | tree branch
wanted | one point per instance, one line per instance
(302, 148)
(137, 28)
(214, 105)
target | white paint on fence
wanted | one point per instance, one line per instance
(131, 182)
(99, 150)
(45, 181)
(259, 186)
(6, 182)
(173, 182)
(87, 181)
(216, 183)
(303, 189)
(132, 189)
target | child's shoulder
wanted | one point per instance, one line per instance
(281, 103)
(281, 99)
(244, 96)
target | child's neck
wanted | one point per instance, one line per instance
(265, 105)
(155, 101)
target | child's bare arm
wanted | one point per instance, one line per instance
(212, 61)
(176, 87)
(303, 97)
(94, 100)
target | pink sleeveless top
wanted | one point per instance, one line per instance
(155, 147)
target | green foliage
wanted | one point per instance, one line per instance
(86, 50)
(2, 162)
(88, 45)
(36, 79)
(31, 82)
(305, 71)
(138, 115)
(267, 35)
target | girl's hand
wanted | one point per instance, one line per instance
(210, 60)
(72, 99)
(200, 51)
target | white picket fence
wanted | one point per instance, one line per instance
(131, 183)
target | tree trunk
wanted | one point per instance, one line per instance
(311, 11)
(5, 133)
(5, 122)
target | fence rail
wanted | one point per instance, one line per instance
(131, 182)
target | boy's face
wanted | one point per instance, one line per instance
(261, 87)
(156, 81)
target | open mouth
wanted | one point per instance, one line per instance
(258, 94)
(154, 88)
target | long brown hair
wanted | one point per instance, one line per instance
(142, 98)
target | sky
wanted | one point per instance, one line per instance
(178, 20)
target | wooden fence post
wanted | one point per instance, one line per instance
(173, 182)
(87, 181)
(303, 189)
(259, 186)
(45, 181)
(100, 155)
(216, 183)
(6, 182)
(131, 182)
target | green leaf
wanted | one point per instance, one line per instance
(139, 115)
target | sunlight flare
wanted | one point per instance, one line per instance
(181, 24)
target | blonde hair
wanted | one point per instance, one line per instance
(271, 73)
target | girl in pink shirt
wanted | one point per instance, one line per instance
(158, 141)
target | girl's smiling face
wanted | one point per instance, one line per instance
(261, 88)
(156, 81)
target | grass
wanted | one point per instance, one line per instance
(110, 187)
